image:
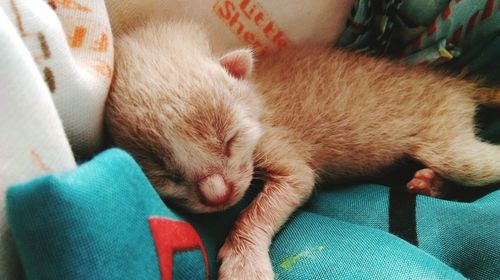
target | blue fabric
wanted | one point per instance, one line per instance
(188, 265)
(313, 246)
(464, 235)
(91, 223)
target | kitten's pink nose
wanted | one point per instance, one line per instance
(214, 190)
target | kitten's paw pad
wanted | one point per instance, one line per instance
(427, 182)
(242, 263)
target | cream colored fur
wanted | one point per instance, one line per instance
(312, 114)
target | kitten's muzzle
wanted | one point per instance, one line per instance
(215, 190)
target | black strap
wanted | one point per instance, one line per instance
(402, 215)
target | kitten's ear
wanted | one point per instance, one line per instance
(238, 63)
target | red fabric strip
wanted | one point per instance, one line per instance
(171, 236)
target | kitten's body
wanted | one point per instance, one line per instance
(350, 115)
(313, 113)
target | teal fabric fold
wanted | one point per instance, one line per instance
(90, 223)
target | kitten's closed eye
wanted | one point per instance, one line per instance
(174, 176)
(168, 172)
(228, 148)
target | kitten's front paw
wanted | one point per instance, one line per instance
(241, 262)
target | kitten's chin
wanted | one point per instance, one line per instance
(202, 208)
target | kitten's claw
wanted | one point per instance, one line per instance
(241, 262)
(427, 182)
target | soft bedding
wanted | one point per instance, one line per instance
(98, 222)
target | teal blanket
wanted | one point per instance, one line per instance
(105, 221)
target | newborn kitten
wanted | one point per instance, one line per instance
(198, 125)
(191, 125)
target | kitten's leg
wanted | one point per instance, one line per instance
(245, 253)
(463, 159)
(427, 182)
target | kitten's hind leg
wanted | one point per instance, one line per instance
(427, 182)
(463, 159)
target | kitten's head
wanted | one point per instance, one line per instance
(194, 131)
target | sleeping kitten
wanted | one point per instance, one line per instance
(198, 125)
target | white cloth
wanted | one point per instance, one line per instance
(236, 23)
(79, 56)
(55, 64)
